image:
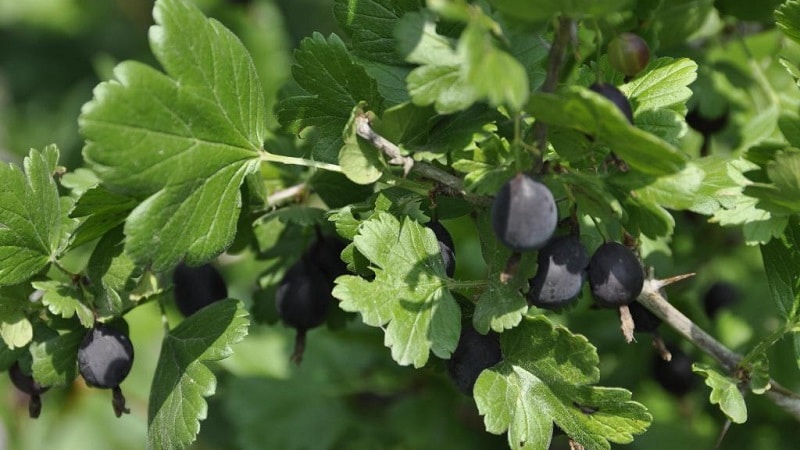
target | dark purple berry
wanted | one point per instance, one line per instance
(197, 287)
(560, 273)
(105, 358)
(616, 97)
(644, 320)
(628, 53)
(675, 376)
(474, 353)
(524, 214)
(615, 275)
(325, 253)
(28, 385)
(719, 296)
(446, 248)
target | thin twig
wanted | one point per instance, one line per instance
(450, 182)
(652, 299)
(558, 53)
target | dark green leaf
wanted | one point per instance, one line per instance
(781, 262)
(787, 17)
(543, 10)
(370, 24)
(54, 360)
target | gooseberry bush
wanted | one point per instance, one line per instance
(469, 182)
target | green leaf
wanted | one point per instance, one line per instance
(758, 225)
(781, 263)
(370, 24)
(664, 85)
(31, 217)
(182, 376)
(65, 300)
(677, 191)
(408, 292)
(593, 114)
(9, 356)
(543, 10)
(501, 305)
(494, 74)
(55, 359)
(16, 330)
(547, 376)
(332, 83)
(112, 273)
(787, 18)
(724, 392)
(184, 140)
(103, 210)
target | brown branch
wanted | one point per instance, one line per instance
(652, 299)
(450, 182)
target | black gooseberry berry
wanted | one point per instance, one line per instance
(524, 214)
(105, 358)
(303, 299)
(616, 276)
(197, 287)
(675, 376)
(560, 273)
(628, 53)
(446, 248)
(616, 97)
(326, 252)
(28, 385)
(644, 321)
(719, 296)
(474, 353)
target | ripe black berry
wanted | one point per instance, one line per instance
(524, 214)
(675, 376)
(719, 296)
(105, 358)
(303, 299)
(445, 246)
(474, 353)
(325, 253)
(28, 385)
(615, 96)
(197, 287)
(628, 53)
(560, 273)
(615, 275)
(644, 320)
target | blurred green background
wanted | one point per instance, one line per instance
(349, 394)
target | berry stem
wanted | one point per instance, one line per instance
(299, 347)
(118, 402)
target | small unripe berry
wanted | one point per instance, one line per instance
(628, 53)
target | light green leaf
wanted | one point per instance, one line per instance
(664, 85)
(182, 376)
(31, 217)
(184, 139)
(758, 225)
(547, 376)
(781, 264)
(759, 374)
(787, 18)
(664, 123)
(333, 83)
(16, 330)
(494, 74)
(677, 191)
(9, 356)
(724, 392)
(408, 292)
(593, 114)
(112, 274)
(65, 300)
(103, 210)
(501, 305)
(54, 359)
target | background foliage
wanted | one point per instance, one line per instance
(349, 393)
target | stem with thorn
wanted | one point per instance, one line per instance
(652, 299)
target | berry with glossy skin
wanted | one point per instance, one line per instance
(560, 273)
(28, 385)
(474, 353)
(615, 275)
(197, 287)
(303, 299)
(105, 358)
(524, 214)
(616, 97)
(628, 53)
(719, 296)
(446, 247)
(675, 376)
